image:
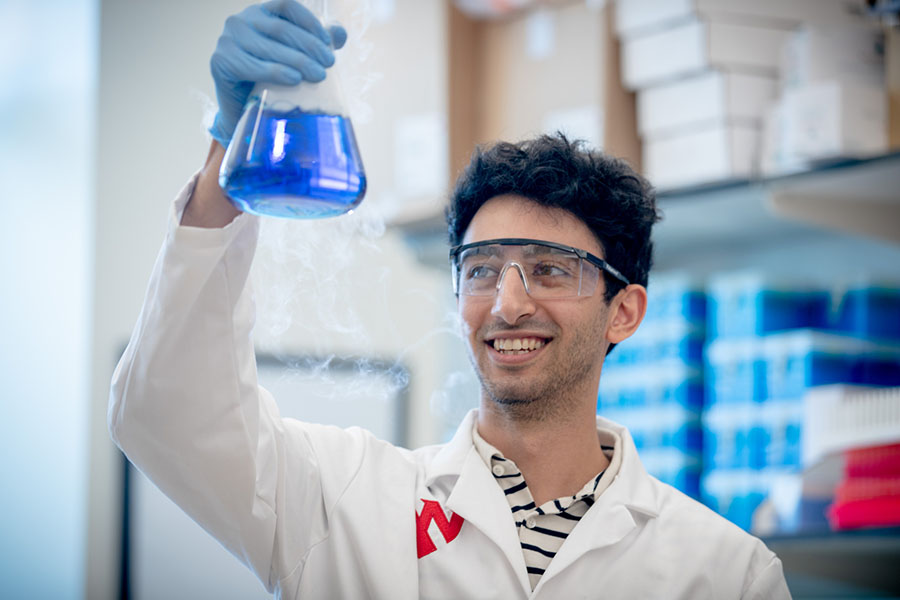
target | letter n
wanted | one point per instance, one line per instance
(432, 511)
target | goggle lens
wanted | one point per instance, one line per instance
(546, 272)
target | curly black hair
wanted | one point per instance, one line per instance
(617, 204)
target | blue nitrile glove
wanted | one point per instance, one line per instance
(279, 42)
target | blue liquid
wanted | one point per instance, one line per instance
(294, 164)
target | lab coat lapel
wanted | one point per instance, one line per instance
(605, 524)
(449, 460)
(476, 496)
(479, 500)
(629, 499)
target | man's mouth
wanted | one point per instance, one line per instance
(522, 345)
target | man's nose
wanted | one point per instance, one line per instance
(512, 300)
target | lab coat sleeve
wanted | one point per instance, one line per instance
(186, 409)
(769, 584)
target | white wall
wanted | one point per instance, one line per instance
(153, 68)
(47, 70)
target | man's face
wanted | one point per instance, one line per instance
(567, 334)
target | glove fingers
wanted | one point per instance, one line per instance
(256, 70)
(232, 63)
(300, 16)
(338, 36)
(288, 34)
(279, 42)
(278, 58)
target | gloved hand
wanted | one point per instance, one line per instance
(279, 42)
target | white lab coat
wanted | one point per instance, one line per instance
(320, 512)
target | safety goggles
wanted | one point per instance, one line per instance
(547, 269)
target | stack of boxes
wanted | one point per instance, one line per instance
(727, 90)
(768, 346)
(869, 493)
(859, 428)
(753, 429)
(712, 385)
(653, 383)
(706, 73)
(832, 100)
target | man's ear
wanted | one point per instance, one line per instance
(626, 313)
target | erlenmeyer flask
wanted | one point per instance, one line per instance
(293, 152)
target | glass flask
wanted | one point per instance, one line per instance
(293, 153)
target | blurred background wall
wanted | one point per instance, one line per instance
(48, 66)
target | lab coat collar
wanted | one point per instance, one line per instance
(451, 457)
(631, 498)
(632, 488)
(476, 497)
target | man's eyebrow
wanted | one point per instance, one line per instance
(538, 249)
(529, 250)
(488, 250)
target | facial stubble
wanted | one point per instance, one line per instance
(558, 389)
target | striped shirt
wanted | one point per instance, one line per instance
(543, 529)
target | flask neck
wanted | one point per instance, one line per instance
(322, 98)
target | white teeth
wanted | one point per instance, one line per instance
(517, 345)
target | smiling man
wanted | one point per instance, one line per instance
(535, 307)
(551, 253)
(534, 497)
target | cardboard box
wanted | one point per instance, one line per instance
(638, 17)
(704, 100)
(892, 81)
(818, 53)
(834, 119)
(696, 46)
(553, 67)
(713, 154)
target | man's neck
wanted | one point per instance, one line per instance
(556, 455)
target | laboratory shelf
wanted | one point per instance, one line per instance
(843, 202)
(725, 224)
(833, 169)
(863, 563)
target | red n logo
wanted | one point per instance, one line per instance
(432, 511)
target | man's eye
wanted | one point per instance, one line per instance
(550, 270)
(481, 272)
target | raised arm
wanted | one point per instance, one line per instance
(208, 207)
(185, 406)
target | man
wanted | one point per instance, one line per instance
(535, 497)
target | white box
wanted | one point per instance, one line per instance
(775, 159)
(833, 119)
(697, 46)
(817, 53)
(842, 417)
(638, 17)
(707, 99)
(712, 154)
